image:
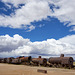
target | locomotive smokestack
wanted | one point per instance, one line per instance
(39, 56)
(62, 55)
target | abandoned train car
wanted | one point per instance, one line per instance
(61, 61)
(39, 61)
(26, 60)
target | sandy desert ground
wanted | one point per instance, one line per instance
(10, 69)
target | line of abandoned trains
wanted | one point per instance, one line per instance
(52, 61)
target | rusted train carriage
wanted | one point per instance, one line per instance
(9, 60)
(39, 61)
(25, 60)
(53, 61)
(61, 61)
(3, 60)
(16, 61)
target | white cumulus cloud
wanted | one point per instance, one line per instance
(8, 43)
(37, 10)
(17, 46)
(32, 11)
(66, 12)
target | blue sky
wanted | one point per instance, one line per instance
(50, 29)
(47, 24)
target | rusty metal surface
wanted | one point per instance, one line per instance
(62, 55)
(20, 57)
(61, 60)
(41, 61)
(3, 60)
(16, 61)
(67, 60)
(25, 59)
(39, 56)
(56, 60)
(9, 60)
(42, 71)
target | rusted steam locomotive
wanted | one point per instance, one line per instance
(3, 60)
(25, 60)
(9, 60)
(61, 61)
(52, 61)
(39, 61)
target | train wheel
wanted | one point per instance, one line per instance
(54, 65)
(58, 65)
(39, 64)
(70, 66)
(50, 65)
(65, 66)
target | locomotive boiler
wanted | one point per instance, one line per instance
(25, 60)
(61, 61)
(39, 61)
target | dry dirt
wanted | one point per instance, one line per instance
(10, 69)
